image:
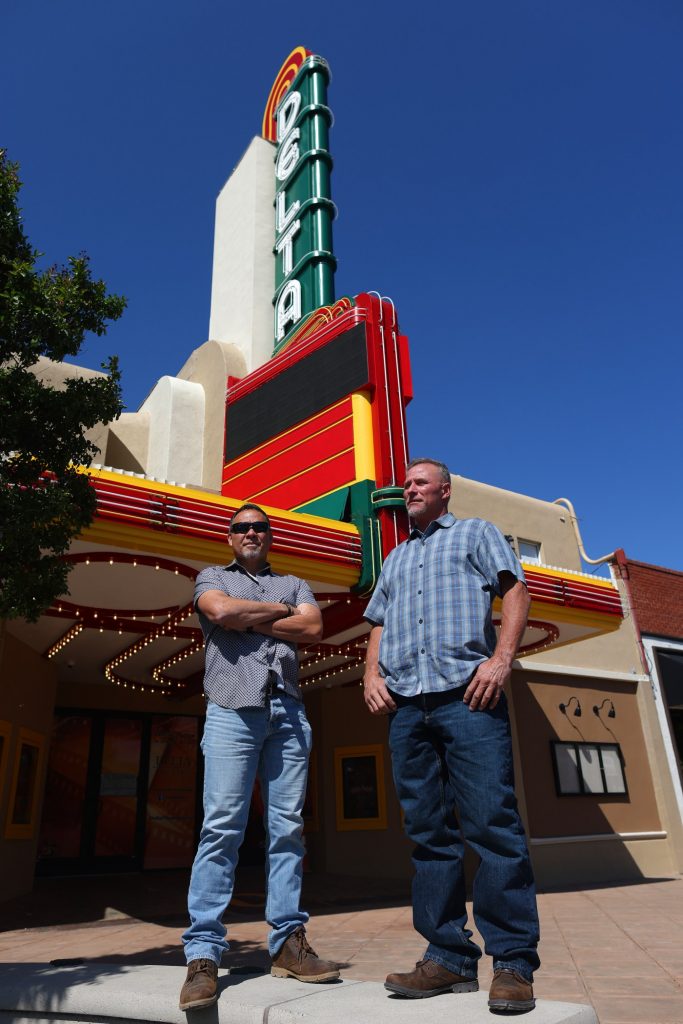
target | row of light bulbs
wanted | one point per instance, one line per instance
(70, 635)
(187, 652)
(165, 629)
(164, 682)
(322, 676)
(351, 650)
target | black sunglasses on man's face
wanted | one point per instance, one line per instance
(257, 527)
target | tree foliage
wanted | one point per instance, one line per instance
(45, 500)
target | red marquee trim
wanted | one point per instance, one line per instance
(573, 593)
(176, 513)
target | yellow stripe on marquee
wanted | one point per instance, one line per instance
(363, 437)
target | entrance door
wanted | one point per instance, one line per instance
(121, 793)
(171, 792)
(111, 835)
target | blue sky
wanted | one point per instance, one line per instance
(508, 172)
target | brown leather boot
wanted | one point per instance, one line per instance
(296, 959)
(201, 985)
(429, 979)
(510, 992)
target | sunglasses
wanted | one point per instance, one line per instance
(257, 527)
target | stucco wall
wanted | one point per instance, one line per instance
(243, 260)
(538, 721)
(55, 375)
(178, 432)
(339, 719)
(127, 442)
(176, 426)
(27, 692)
(613, 652)
(342, 720)
(520, 516)
(209, 366)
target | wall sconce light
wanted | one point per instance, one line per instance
(610, 714)
(564, 708)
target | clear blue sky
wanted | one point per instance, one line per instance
(510, 173)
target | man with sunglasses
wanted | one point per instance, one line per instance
(256, 727)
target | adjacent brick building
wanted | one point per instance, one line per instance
(655, 596)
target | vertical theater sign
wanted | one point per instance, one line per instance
(321, 427)
(297, 119)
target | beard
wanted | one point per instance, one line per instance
(251, 554)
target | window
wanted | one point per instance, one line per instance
(529, 551)
(359, 784)
(587, 769)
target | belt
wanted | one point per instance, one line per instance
(430, 701)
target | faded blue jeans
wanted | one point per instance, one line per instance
(447, 760)
(274, 743)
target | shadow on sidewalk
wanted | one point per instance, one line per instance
(45, 987)
(160, 898)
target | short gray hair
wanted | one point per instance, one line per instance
(250, 507)
(441, 466)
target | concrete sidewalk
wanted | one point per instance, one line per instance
(116, 994)
(619, 949)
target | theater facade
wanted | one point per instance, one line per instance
(298, 402)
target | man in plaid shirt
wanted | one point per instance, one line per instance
(436, 668)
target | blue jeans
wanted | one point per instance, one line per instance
(447, 760)
(274, 743)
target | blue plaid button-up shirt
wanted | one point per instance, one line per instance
(433, 600)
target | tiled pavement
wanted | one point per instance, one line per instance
(618, 948)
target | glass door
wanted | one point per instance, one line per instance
(121, 793)
(63, 804)
(116, 814)
(171, 792)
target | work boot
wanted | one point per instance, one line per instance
(510, 992)
(429, 979)
(296, 959)
(201, 985)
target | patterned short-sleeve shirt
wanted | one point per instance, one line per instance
(240, 666)
(433, 600)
